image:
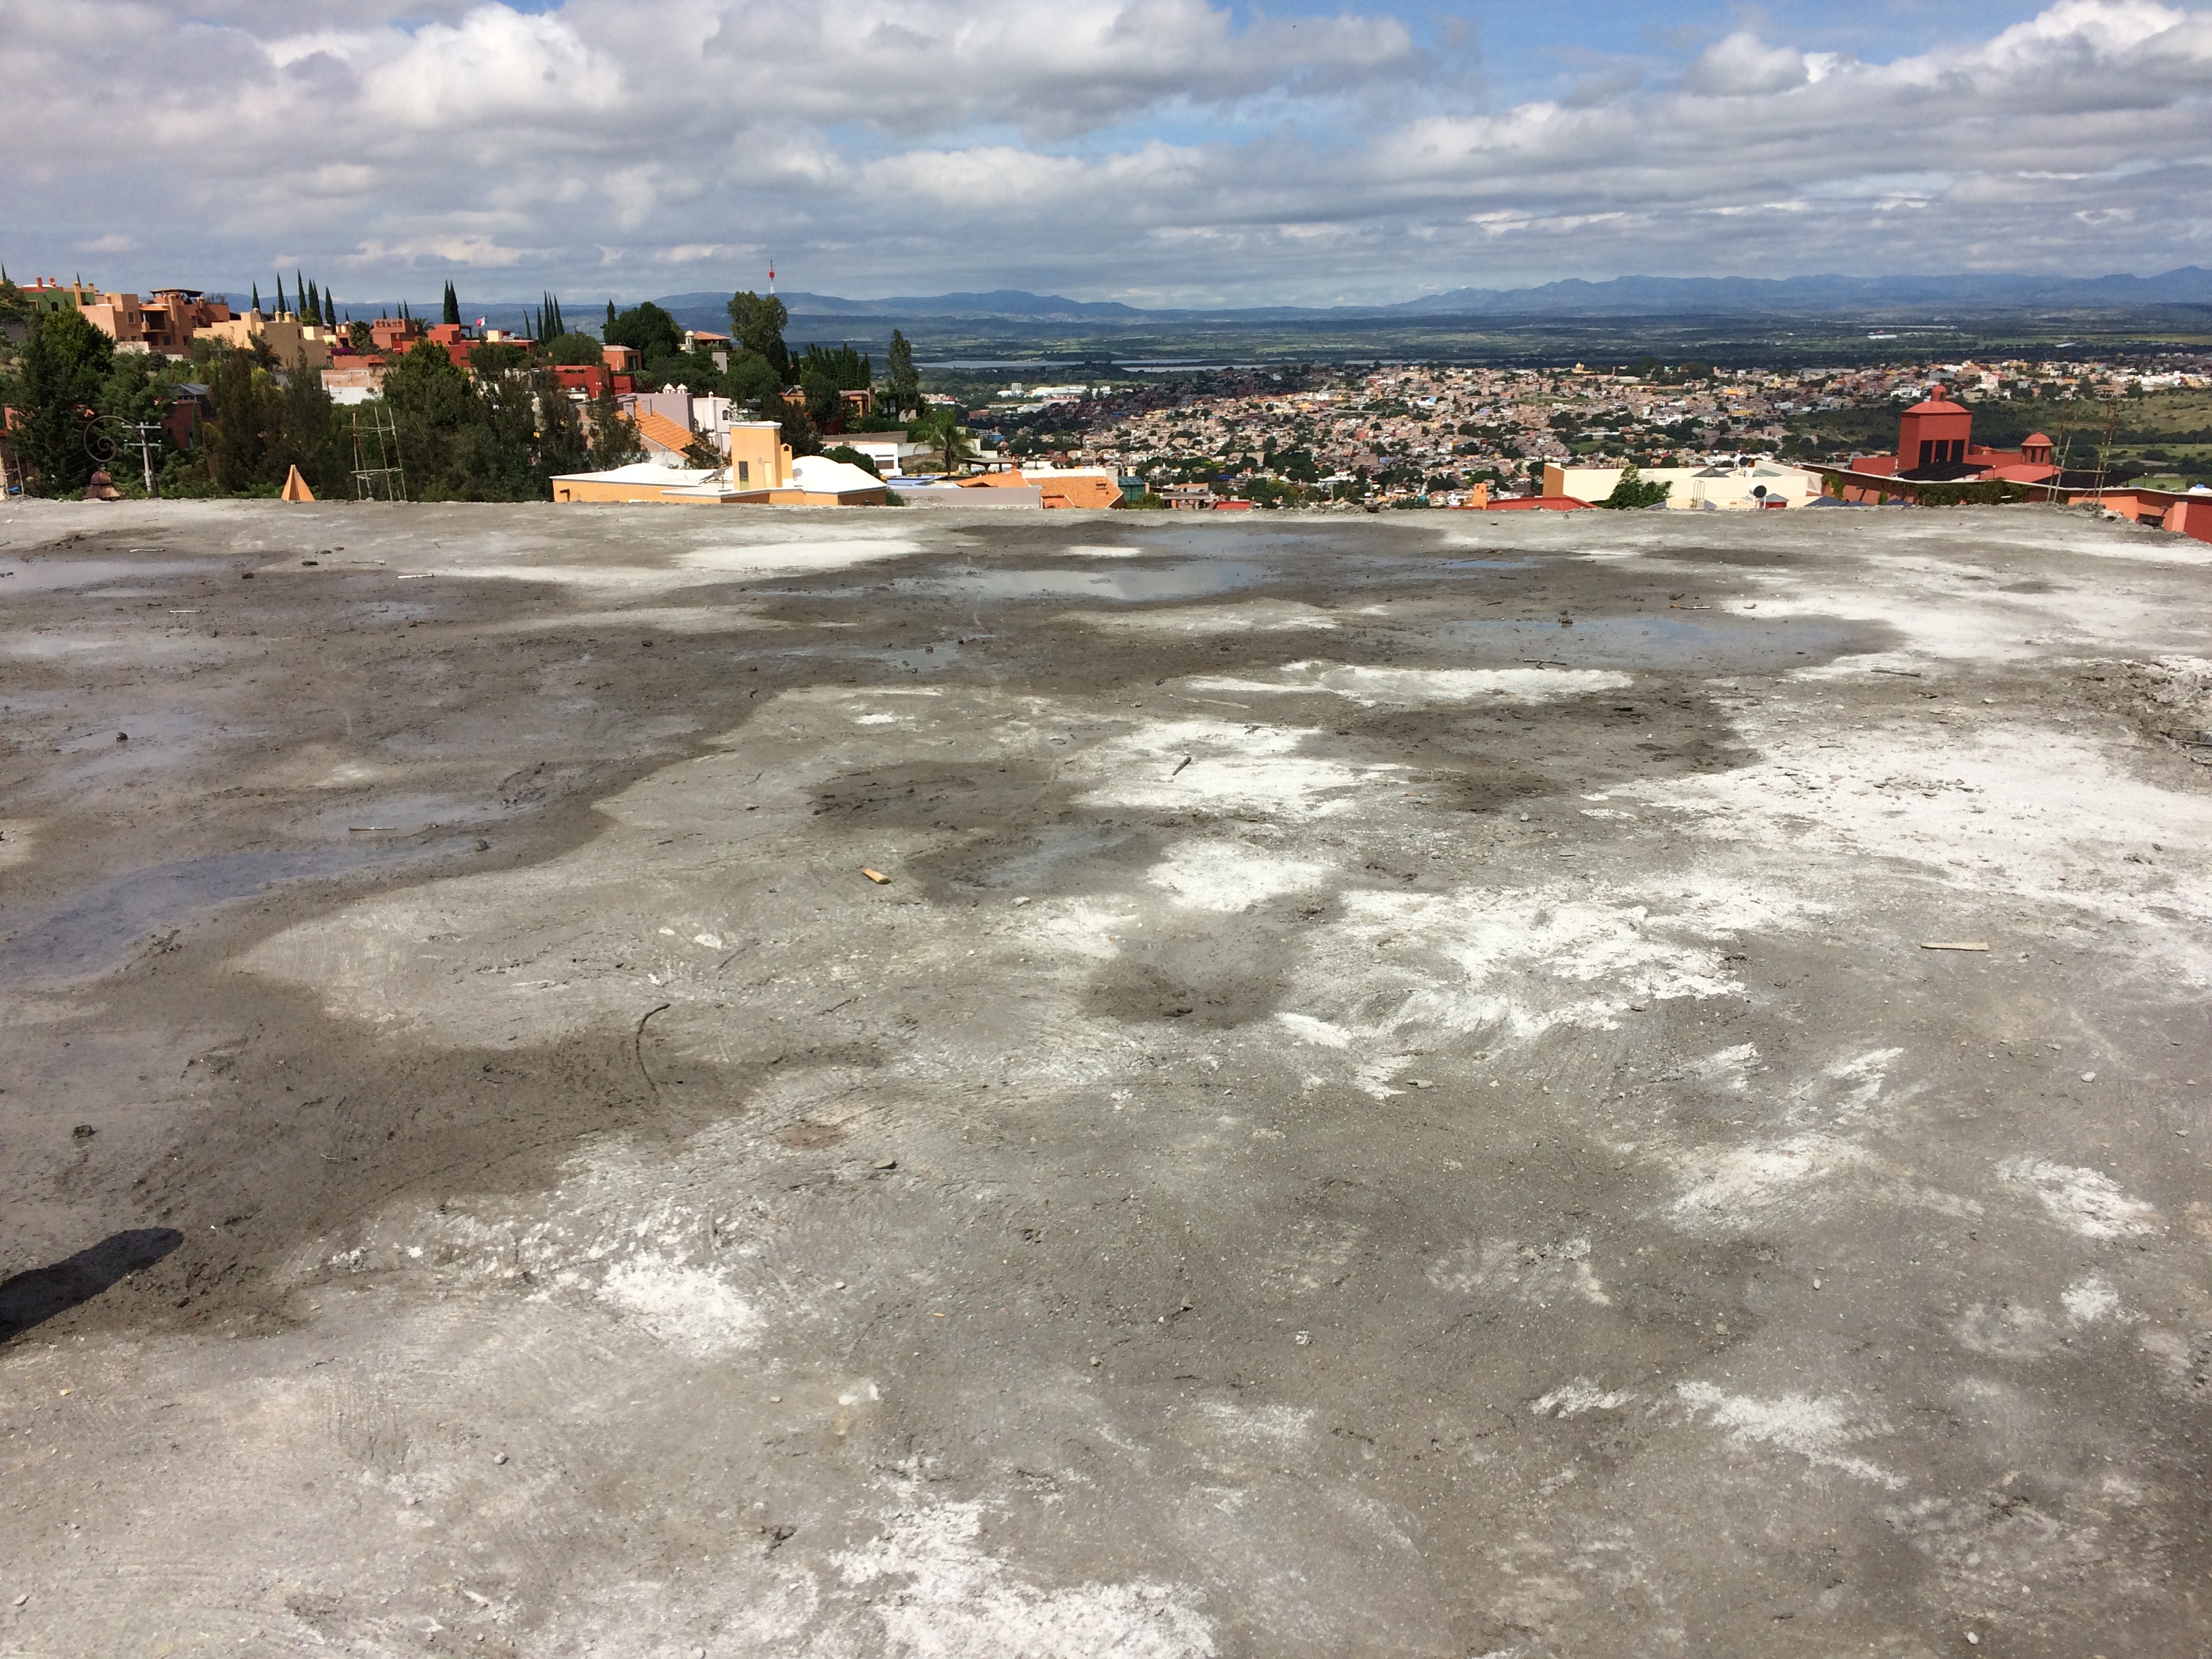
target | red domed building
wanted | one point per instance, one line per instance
(1936, 443)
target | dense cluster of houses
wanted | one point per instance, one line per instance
(1505, 438)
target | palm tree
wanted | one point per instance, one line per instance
(940, 429)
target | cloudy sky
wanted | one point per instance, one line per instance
(1154, 151)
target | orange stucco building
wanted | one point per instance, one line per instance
(165, 323)
(1936, 440)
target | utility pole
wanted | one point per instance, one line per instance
(108, 435)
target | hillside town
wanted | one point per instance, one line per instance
(1406, 435)
(639, 408)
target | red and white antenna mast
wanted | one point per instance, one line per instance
(771, 274)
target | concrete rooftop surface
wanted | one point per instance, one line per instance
(1396, 1099)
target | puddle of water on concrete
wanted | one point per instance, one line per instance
(1734, 645)
(931, 657)
(41, 575)
(98, 927)
(1123, 584)
(1042, 869)
(407, 815)
(1488, 564)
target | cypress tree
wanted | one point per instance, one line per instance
(611, 317)
(314, 303)
(257, 296)
(300, 294)
(452, 304)
(330, 310)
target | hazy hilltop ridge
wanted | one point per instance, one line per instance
(1618, 296)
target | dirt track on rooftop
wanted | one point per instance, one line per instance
(1393, 1100)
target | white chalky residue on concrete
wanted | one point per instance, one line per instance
(1949, 610)
(1414, 688)
(1078, 928)
(1244, 616)
(1735, 1184)
(1727, 1067)
(1576, 1396)
(1261, 769)
(1542, 1274)
(2010, 1330)
(631, 1233)
(1228, 876)
(786, 552)
(939, 1594)
(1307, 1029)
(2082, 1200)
(1527, 959)
(1813, 1429)
(686, 1307)
(1863, 1077)
(2092, 1300)
(2011, 809)
(1278, 1425)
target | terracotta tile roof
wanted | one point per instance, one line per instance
(661, 430)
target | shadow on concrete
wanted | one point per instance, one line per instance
(31, 1298)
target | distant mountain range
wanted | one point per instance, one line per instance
(1622, 296)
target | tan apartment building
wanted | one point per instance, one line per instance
(295, 344)
(165, 323)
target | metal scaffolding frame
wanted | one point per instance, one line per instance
(377, 473)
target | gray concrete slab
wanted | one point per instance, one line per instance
(1400, 1095)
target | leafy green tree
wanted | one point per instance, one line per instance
(561, 445)
(824, 373)
(262, 428)
(493, 457)
(751, 379)
(432, 404)
(905, 380)
(798, 428)
(648, 331)
(359, 337)
(65, 365)
(234, 444)
(756, 322)
(496, 357)
(1633, 490)
(574, 350)
(15, 305)
(452, 305)
(852, 457)
(133, 397)
(614, 440)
